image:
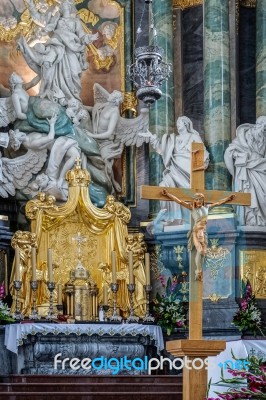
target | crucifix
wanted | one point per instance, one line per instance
(79, 240)
(199, 201)
(195, 199)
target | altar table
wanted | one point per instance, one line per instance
(36, 344)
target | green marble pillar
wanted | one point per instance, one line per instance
(217, 121)
(162, 112)
(261, 58)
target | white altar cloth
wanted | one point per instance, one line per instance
(241, 349)
(15, 333)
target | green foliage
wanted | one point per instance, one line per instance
(5, 313)
(168, 309)
(248, 316)
(245, 384)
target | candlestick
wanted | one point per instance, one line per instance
(105, 309)
(33, 263)
(51, 314)
(17, 286)
(147, 268)
(50, 265)
(148, 317)
(105, 295)
(115, 317)
(130, 267)
(17, 263)
(34, 312)
(59, 294)
(113, 260)
(132, 317)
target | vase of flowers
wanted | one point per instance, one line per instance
(248, 318)
(169, 311)
(244, 384)
(5, 316)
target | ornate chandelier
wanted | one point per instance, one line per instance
(149, 71)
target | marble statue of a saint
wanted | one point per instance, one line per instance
(136, 244)
(245, 159)
(175, 150)
(62, 58)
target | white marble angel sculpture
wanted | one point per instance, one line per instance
(14, 103)
(17, 172)
(113, 132)
(63, 151)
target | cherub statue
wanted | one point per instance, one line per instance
(76, 112)
(113, 132)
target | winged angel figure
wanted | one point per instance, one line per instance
(113, 132)
(7, 111)
(17, 172)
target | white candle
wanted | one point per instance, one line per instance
(33, 263)
(147, 268)
(130, 267)
(72, 305)
(17, 264)
(59, 294)
(105, 295)
(50, 265)
(113, 259)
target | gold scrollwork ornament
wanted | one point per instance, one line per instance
(214, 298)
(179, 251)
(186, 3)
(215, 257)
(156, 263)
(130, 103)
(248, 3)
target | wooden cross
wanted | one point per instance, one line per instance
(197, 183)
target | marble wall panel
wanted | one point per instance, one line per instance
(192, 37)
(247, 65)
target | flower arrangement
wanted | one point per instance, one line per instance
(248, 316)
(245, 384)
(168, 309)
(4, 309)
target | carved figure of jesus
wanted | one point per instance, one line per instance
(198, 235)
